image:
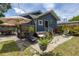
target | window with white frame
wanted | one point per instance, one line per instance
(40, 22)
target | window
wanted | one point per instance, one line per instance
(40, 22)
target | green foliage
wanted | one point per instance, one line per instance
(3, 8)
(51, 54)
(2, 15)
(76, 18)
(30, 29)
(65, 29)
(44, 41)
(74, 30)
(48, 35)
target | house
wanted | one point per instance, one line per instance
(40, 21)
(46, 21)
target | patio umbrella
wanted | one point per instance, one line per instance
(15, 20)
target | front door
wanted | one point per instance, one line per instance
(46, 25)
(40, 25)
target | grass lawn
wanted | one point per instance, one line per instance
(10, 48)
(69, 48)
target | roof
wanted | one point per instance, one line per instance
(15, 20)
(42, 14)
(70, 23)
(33, 14)
(52, 13)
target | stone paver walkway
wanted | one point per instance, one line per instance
(56, 41)
(37, 48)
(8, 38)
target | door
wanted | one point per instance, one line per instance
(46, 25)
(40, 25)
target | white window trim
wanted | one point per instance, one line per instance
(39, 22)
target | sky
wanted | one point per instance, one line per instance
(63, 10)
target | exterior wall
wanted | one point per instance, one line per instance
(52, 22)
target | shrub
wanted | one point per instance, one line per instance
(60, 30)
(29, 29)
(48, 35)
(73, 30)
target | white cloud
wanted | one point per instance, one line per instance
(19, 11)
(68, 10)
(48, 6)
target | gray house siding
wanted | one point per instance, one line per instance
(52, 23)
(49, 17)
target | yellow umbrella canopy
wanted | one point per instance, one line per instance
(15, 20)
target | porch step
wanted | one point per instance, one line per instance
(41, 34)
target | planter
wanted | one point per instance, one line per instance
(43, 48)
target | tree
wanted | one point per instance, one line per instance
(3, 8)
(76, 18)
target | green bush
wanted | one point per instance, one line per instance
(30, 29)
(70, 29)
(60, 29)
(48, 35)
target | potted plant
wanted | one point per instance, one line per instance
(43, 43)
